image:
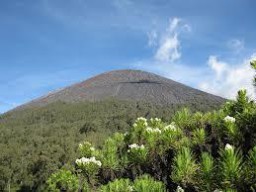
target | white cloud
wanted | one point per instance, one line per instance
(235, 45)
(219, 67)
(169, 44)
(227, 78)
(152, 38)
(218, 76)
(168, 51)
(174, 24)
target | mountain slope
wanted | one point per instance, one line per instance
(131, 85)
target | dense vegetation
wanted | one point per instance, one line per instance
(37, 141)
(191, 151)
(214, 151)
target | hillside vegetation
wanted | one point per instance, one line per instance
(214, 151)
(35, 142)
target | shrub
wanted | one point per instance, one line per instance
(231, 167)
(198, 136)
(184, 167)
(145, 183)
(63, 180)
(137, 153)
(117, 185)
(207, 180)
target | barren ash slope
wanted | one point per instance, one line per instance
(131, 85)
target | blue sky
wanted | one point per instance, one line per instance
(49, 44)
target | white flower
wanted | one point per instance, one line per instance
(130, 188)
(155, 120)
(229, 147)
(179, 189)
(150, 130)
(229, 119)
(136, 146)
(217, 190)
(92, 148)
(170, 127)
(86, 143)
(157, 130)
(142, 120)
(86, 161)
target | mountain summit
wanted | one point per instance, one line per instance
(134, 85)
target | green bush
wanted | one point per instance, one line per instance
(119, 185)
(145, 183)
(231, 166)
(184, 167)
(206, 175)
(63, 180)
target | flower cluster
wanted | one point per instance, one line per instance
(86, 149)
(87, 161)
(229, 119)
(142, 121)
(155, 121)
(137, 153)
(171, 127)
(179, 189)
(229, 147)
(85, 144)
(217, 190)
(136, 146)
(151, 130)
(130, 188)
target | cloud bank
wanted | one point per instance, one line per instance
(215, 75)
(227, 78)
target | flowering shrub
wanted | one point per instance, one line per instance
(215, 151)
(231, 166)
(229, 119)
(179, 189)
(137, 153)
(155, 122)
(171, 136)
(89, 165)
(86, 149)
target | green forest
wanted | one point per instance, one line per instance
(104, 146)
(35, 142)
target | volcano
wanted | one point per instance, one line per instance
(131, 85)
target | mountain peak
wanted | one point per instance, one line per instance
(134, 85)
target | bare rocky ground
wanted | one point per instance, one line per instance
(132, 85)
